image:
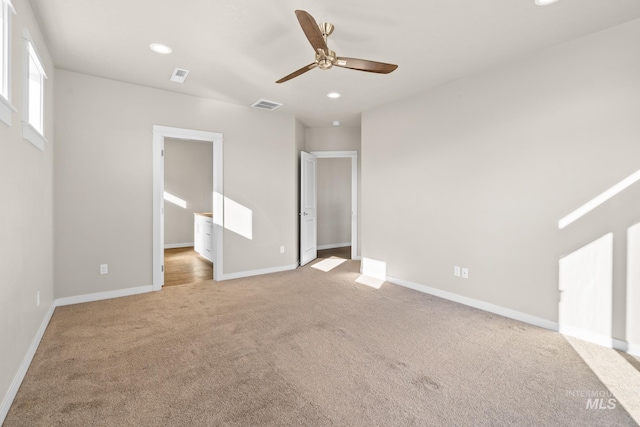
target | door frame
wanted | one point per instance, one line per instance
(308, 208)
(353, 155)
(159, 134)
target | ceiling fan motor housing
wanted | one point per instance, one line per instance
(325, 60)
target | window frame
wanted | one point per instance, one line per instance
(6, 109)
(29, 131)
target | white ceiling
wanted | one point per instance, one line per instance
(237, 49)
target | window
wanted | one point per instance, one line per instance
(6, 11)
(33, 124)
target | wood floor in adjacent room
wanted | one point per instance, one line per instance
(344, 252)
(184, 265)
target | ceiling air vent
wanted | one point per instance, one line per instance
(179, 75)
(266, 105)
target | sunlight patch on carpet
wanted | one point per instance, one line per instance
(328, 264)
(370, 281)
(619, 377)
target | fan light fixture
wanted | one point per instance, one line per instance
(545, 2)
(334, 95)
(160, 48)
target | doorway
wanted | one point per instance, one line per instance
(188, 193)
(160, 133)
(308, 234)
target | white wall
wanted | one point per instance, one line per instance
(26, 217)
(334, 202)
(188, 172)
(478, 172)
(336, 138)
(104, 180)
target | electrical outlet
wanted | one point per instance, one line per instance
(38, 299)
(456, 270)
(104, 268)
(465, 273)
(281, 249)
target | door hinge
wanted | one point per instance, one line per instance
(163, 268)
(162, 153)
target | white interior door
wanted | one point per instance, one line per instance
(308, 207)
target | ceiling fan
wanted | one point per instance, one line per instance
(325, 57)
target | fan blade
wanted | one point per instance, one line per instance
(311, 30)
(364, 65)
(297, 73)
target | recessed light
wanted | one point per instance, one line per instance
(334, 95)
(544, 2)
(160, 48)
(336, 122)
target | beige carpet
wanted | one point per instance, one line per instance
(301, 348)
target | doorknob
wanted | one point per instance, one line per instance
(303, 213)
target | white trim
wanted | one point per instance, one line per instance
(29, 132)
(6, 109)
(218, 209)
(33, 52)
(99, 296)
(178, 245)
(334, 246)
(7, 401)
(159, 134)
(586, 335)
(33, 136)
(620, 345)
(32, 49)
(157, 207)
(13, 9)
(6, 61)
(353, 155)
(633, 348)
(502, 311)
(334, 154)
(250, 273)
(180, 133)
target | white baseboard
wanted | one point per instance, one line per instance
(24, 366)
(620, 345)
(586, 335)
(502, 311)
(334, 246)
(633, 348)
(179, 245)
(241, 274)
(102, 295)
(627, 347)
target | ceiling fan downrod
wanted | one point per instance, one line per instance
(325, 60)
